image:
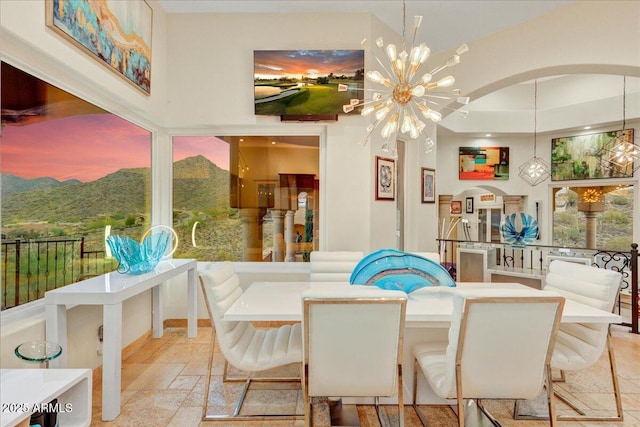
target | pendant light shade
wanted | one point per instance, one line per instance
(535, 170)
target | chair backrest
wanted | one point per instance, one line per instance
(502, 341)
(579, 344)
(433, 256)
(352, 341)
(221, 288)
(333, 266)
(593, 286)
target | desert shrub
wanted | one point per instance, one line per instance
(614, 217)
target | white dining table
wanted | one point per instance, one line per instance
(428, 316)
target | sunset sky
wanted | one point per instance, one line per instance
(88, 147)
(269, 64)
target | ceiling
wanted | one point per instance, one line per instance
(447, 24)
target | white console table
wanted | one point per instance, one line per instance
(22, 391)
(110, 290)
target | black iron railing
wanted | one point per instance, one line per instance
(533, 258)
(32, 267)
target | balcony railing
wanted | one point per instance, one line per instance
(533, 259)
(32, 267)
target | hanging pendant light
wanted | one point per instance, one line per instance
(622, 152)
(407, 95)
(535, 170)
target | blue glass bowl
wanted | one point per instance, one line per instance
(139, 258)
(398, 270)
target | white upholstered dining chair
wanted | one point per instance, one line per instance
(499, 347)
(353, 341)
(333, 266)
(580, 345)
(244, 346)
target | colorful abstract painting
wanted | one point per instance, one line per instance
(114, 32)
(483, 163)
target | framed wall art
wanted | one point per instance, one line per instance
(115, 33)
(456, 207)
(483, 163)
(428, 185)
(307, 82)
(385, 179)
(589, 156)
(469, 205)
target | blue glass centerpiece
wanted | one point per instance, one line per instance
(519, 237)
(397, 270)
(138, 258)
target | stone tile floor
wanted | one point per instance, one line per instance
(163, 384)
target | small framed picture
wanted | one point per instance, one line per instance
(456, 207)
(385, 179)
(469, 207)
(428, 185)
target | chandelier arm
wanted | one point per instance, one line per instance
(390, 75)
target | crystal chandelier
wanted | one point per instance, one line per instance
(535, 170)
(406, 94)
(622, 152)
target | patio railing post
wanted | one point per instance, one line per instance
(17, 284)
(634, 288)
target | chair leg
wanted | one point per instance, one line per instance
(415, 394)
(236, 413)
(460, 395)
(305, 396)
(400, 397)
(616, 392)
(550, 398)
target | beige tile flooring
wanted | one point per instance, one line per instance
(163, 384)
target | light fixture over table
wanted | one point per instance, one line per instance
(622, 151)
(535, 170)
(406, 93)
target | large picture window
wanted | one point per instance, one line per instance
(593, 217)
(252, 198)
(71, 173)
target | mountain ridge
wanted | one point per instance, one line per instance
(198, 185)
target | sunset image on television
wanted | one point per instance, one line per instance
(306, 81)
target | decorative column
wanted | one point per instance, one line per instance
(288, 237)
(513, 204)
(591, 229)
(251, 231)
(591, 202)
(278, 235)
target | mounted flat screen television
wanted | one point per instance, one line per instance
(305, 82)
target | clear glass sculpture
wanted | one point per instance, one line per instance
(396, 270)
